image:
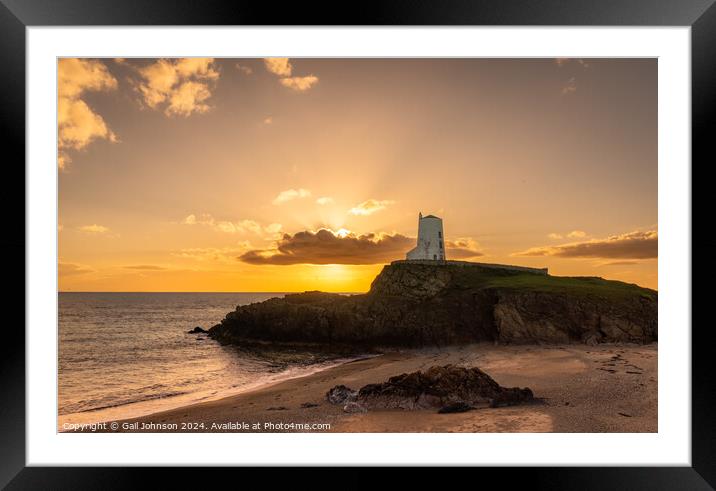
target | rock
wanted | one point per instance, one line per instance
(354, 407)
(341, 394)
(437, 387)
(456, 407)
(415, 305)
(307, 405)
(276, 408)
(197, 330)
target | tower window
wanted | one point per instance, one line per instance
(441, 244)
(440, 234)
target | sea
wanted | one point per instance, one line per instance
(124, 355)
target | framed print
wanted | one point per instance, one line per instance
(427, 237)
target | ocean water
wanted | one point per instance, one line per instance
(124, 355)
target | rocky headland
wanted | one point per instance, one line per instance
(414, 305)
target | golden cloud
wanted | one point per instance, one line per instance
(300, 84)
(146, 267)
(619, 263)
(291, 194)
(182, 85)
(577, 234)
(462, 248)
(324, 200)
(229, 227)
(188, 98)
(326, 246)
(370, 206)
(278, 66)
(283, 68)
(77, 124)
(632, 245)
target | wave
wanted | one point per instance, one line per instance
(76, 408)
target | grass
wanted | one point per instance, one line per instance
(576, 285)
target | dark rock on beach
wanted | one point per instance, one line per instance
(415, 305)
(197, 330)
(341, 394)
(450, 388)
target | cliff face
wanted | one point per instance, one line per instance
(427, 305)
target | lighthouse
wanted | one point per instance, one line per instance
(431, 241)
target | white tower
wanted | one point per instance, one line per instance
(431, 245)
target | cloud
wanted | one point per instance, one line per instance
(619, 263)
(229, 227)
(291, 194)
(188, 97)
(324, 200)
(182, 86)
(633, 245)
(326, 247)
(146, 267)
(94, 229)
(279, 66)
(462, 248)
(574, 234)
(71, 269)
(77, 124)
(273, 228)
(283, 68)
(370, 206)
(570, 87)
(300, 84)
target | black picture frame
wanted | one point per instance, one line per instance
(16, 15)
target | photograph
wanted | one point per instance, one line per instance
(357, 245)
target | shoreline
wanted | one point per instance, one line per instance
(603, 388)
(149, 407)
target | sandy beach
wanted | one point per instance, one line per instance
(605, 388)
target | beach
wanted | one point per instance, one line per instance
(578, 388)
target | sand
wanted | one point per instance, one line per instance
(605, 388)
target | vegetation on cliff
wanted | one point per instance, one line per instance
(424, 304)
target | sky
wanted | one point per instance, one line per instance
(278, 175)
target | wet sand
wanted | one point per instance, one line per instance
(605, 388)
